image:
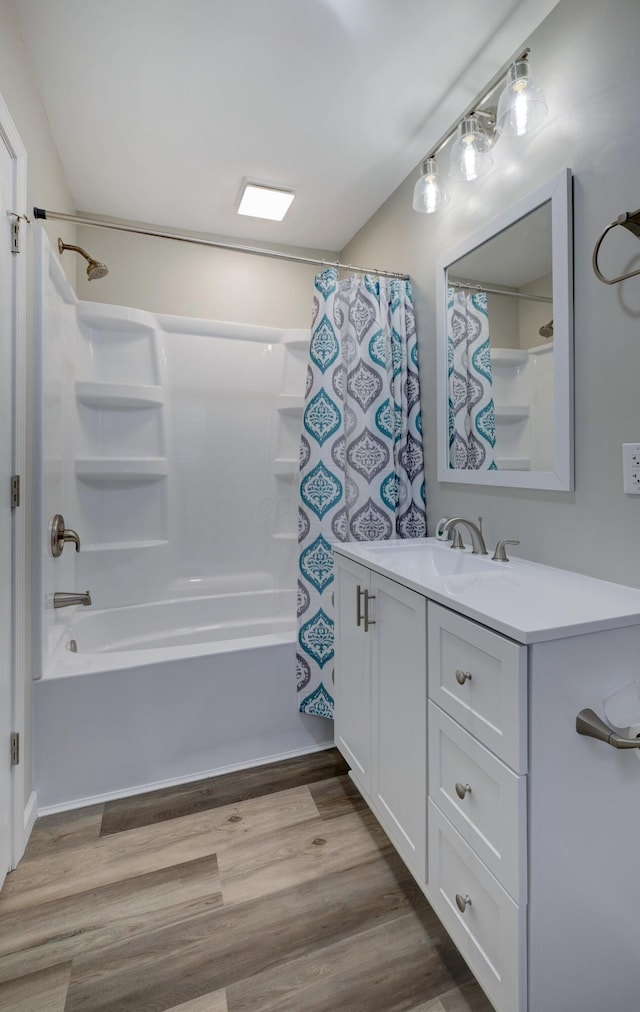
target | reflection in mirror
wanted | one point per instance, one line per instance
(505, 348)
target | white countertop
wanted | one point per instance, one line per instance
(524, 600)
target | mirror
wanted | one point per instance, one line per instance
(505, 348)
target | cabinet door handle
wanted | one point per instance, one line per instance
(368, 621)
(359, 593)
(462, 902)
(589, 723)
(462, 676)
(462, 790)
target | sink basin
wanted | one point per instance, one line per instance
(426, 557)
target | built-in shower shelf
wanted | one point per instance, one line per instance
(283, 466)
(511, 412)
(509, 358)
(285, 537)
(513, 463)
(118, 395)
(297, 343)
(115, 546)
(134, 469)
(290, 404)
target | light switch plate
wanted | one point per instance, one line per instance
(631, 468)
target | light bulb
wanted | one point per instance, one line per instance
(522, 106)
(470, 156)
(429, 194)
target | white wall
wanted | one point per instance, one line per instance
(45, 185)
(181, 279)
(585, 52)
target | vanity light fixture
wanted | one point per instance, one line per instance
(261, 201)
(470, 154)
(521, 108)
(430, 193)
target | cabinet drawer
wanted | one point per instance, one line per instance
(491, 814)
(479, 678)
(490, 931)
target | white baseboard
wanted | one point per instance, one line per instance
(21, 836)
(158, 785)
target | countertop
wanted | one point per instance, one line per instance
(526, 601)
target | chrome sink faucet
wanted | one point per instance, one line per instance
(64, 599)
(478, 546)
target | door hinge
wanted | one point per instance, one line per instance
(15, 491)
(15, 235)
(15, 748)
(15, 229)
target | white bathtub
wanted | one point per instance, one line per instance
(164, 693)
(165, 631)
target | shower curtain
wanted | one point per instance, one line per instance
(361, 458)
(472, 425)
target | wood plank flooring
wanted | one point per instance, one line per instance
(267, 890)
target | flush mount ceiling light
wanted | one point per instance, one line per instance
(261, 201)
(521, 108)
(430, 193)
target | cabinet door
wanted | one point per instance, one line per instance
(352, 689)
(399, 676)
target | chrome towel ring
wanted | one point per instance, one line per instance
(629, 220)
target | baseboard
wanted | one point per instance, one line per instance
(158, 785)
(28, 822)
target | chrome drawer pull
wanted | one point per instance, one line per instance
(462, 902)
(359, 593)
(462, 789)
(368, 621)
(589, 723)
(462, 676)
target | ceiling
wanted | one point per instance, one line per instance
(160, 108)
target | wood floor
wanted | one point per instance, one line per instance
(268, 890)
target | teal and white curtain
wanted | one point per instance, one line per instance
(472, 424)
(361, 459)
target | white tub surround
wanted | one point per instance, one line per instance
(170, 446)
(456, 706)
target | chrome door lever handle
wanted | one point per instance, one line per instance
(591, 725)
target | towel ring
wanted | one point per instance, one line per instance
(629, 220)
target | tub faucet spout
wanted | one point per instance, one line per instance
(64, 599)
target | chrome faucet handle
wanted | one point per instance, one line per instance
(60, 534)
(500, 554)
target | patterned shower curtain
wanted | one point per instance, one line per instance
(472, 424)
(361, 459)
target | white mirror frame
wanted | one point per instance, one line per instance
(558, 191)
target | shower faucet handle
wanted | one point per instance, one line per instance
(60, 534)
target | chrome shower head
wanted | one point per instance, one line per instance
(547, 330)
(95, 269)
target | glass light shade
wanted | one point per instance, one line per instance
(522, 105)
(470, 156)
(430, 193)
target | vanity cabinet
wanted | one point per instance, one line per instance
(521, 833)
(381, 701)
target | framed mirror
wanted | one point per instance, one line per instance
(505, 348)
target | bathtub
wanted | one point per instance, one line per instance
(133, 699)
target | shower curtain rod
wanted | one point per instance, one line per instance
(498, 291)
(125, 226)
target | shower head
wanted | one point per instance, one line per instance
(547, 330)
(95, 269)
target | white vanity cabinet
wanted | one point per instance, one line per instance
(527, 847)
(381, 701)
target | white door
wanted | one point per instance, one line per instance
(6, 519)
